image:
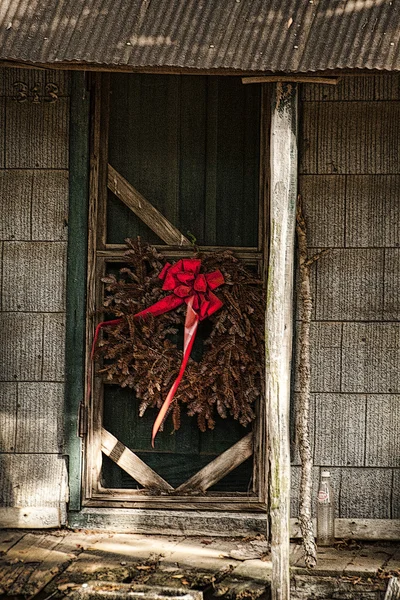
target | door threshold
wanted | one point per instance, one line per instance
(170, 522)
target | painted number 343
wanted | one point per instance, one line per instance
(36, 94)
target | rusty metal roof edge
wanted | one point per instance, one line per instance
(173, 69)
(241, 36)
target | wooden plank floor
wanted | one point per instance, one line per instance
(38, 563)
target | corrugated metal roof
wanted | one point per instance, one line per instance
(247, 35)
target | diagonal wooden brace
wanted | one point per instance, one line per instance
(144, 209)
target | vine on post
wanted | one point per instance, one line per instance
(303, 405)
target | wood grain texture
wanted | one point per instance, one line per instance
(50, 205)
(308, 140)
(2, 132)
(290, 79)
(145, 210)
(361, 529)
(387, 86)
(219, 467)
(238, 156)
(347, 88)
(54, 347)
(324, 208)
(36, 135)
(35, 480)
(396, 496)
(31, 564)
(326, 344)
(361, 493)
(3, 70)
(34, 276)
(372, 210)
(366, 493)
(90, 427)
(21, 346)
(350, 285)
(279, 325)
(371, 358)
(76, 278)
(340, 137)
(135, 591)
(8, 539)
(51, 564)
(175, 522)
(1, 274)
(211, 164)
(383, 431)
(391, 306)
(132, 464)
(8, 416)
(15, 203)
(340, 429)
(40, 417)
(370, 529)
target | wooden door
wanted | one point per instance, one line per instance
(173, 158)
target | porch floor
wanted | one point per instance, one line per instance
(55, 563)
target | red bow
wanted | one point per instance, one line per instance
(188, 286)
(187, 283)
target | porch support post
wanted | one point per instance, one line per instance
(279, 318)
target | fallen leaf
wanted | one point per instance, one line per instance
(206, 542)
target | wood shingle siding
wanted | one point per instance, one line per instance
(349, 180)
(33, 133)
(8, 414)
(371, 358)
(33, 234)
(34, 276)
(36, 433)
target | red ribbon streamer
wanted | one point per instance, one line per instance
(188, 286)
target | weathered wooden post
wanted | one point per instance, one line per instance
(279, 324)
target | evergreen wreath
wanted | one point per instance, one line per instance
(143, 354)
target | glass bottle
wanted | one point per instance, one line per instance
(325, 511)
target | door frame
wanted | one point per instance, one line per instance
(99, 252)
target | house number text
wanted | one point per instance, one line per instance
(36, 94)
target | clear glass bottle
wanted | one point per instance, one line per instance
(325, 511)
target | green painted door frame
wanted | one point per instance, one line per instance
(79, 167)
(76, 278)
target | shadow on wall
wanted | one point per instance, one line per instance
(33, 487)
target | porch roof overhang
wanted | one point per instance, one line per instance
(252, 36)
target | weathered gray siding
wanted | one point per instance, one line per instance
(33, 234)
(350, 183)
